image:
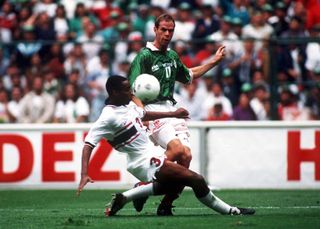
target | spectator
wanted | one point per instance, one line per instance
(55, 61)
(47, 6)
(71, 107)
(104, 10)
(313, 53)
(229, 86)
(139, 23)
(207, 24)
(205, 53)
(292, 57)
(184, 24)
(237, 25)
(36, 68)
(216, 94)
(4, 116)
(24, 15)
(14, 104)
(44, 29)
(91, 41)
(13, 78)
(257, 29)
(4, 63)
(61, 23)
(226, 37)
(217, 113)
(51, 84)
(136, 43)
(111, 33)
(191, 98)
(76, 60)
(245, 62)
(313, 100)
(279, 21)
(259, 102)
(98, 72)
(36, 106)
(7, 22)
(182, 50)
(243, 111)
(76, 23)
(236, 9)
(26, 47)
(289, 108)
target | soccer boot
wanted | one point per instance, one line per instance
(241, 211)
(164, 210)
(139, 203)
(117, 202)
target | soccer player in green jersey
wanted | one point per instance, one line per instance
(157, 59)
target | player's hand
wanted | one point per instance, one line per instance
(84, 180)
(220, 54)
(181, 113)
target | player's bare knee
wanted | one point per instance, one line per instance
(175, 148)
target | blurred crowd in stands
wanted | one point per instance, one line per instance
(56, 56)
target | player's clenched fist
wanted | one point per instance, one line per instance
(220, 54)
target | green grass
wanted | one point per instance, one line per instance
(62, 209)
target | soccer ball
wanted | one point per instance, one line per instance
(146, 87)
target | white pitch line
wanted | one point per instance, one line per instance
(146, 209)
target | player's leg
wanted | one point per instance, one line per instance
(165, 207)
(174, 173)
(171, 173)
(164, 135)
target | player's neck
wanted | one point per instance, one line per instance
(158, 46)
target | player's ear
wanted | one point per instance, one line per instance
(154, 29)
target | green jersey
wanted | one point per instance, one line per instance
(165, 66)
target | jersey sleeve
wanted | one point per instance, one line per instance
(138, 66)
(98, 130)
(184, 75)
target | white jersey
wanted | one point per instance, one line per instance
(122, 127)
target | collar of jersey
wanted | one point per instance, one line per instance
(152, 47)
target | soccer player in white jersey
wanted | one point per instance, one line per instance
(120, 123)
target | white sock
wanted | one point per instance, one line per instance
(213, 202)
(139, 192)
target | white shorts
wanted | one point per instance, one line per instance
(164, 130)
(146, 168)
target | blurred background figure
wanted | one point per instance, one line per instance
(190, 98)
(217, 113)
(216, 94)
(71, 107)
(14, 104)
(243, 111)
(290, 108)
(37, 106)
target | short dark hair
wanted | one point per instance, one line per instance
(163, 17)
(114, 83)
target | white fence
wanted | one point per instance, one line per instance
(229, 154)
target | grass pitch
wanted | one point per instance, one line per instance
(62, 209)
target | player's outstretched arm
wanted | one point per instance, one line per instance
(86, 153)
(179, 113)
(137, 101)
(202, 69)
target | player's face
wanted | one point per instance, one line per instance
(164, 34)
(125, 94)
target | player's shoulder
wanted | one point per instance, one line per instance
(173, 53)
(108, 113)
(145, 52)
